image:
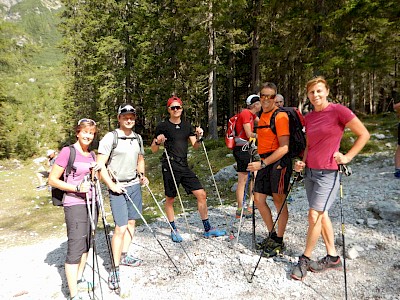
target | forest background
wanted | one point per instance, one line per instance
(63, 60)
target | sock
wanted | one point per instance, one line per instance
(279, 240)
(273, 235)
(123, 254)
(206, 224)
(173, 225)
(333, 258)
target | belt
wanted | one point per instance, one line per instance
(128, 180)
(265, 155)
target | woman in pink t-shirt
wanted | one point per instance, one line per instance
(75, 209)
(324, 130)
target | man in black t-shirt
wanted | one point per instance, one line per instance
(175, 133)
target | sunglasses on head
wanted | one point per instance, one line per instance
(267, 96)
(86, 120)
(127, 109)
(176, 107)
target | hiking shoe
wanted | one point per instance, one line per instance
(129, 260)
(273, 249)
(176, 237)
(247, 213)
(397, 173)
(113, 280)
(40, 187)
(299, 272)
(325, 263)
(214, 232)
(76, 297)
(266, 243)
(85, 286)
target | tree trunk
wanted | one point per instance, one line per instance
(212, 77)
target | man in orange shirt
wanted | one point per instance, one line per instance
(274, 169)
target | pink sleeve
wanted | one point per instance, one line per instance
(344, 113)
(63, 156)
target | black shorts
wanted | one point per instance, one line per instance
(78, 231)
(183, 175)
(398, 134)
(242, 158)
(274, 178)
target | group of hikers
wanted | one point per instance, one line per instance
(120, 165)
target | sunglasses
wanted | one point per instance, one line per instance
(126, 109)
(267, 96)
(177, 107)
(87, 120)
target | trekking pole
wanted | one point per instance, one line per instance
(215, 183)
(177, 191)
(273, 225)
(92, 212)
(164, 215)
(144, 220)
(243, 204)
(346, 171)
(107, 233)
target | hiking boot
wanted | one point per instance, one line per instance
(299, 272)
(40, 187)
(266, 243)
(76, 297)
(84, 286)
(176, 237)
(325, 263)
(129, 260)
(214, 232)
(397, 173)
(113, 280)
(273, 249)
(247, 213)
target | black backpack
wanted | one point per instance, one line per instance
(115, 142)
(57, 195)
(297, 140)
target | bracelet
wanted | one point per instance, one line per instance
(263, 165)
(77, 188)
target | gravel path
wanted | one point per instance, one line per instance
(221, 269)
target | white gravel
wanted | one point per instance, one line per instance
(221, 271)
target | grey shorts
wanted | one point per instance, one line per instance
(122, 208)
(321, 188)
(78, 232)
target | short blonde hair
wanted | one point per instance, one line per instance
(315, 80)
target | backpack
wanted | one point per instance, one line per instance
(115, 142)
(57, 195)
(297, 140)
(231, 132)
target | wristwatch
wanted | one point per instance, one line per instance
(263, 165)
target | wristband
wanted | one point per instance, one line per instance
(155, 142)
(263, 165)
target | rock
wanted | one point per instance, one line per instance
(372, 222)
(387, 210)
(226, 173)
(352, 253)
(360, 221)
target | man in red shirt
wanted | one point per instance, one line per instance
(244, 128)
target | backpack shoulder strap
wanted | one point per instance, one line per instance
(71, 159)
(139, 139)
(272, 121)
(114, 145)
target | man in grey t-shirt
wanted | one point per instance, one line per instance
(126, 162)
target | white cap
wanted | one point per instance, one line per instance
(252, 99)
(50, 152)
